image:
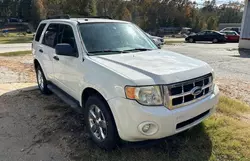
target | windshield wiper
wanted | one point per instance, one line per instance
(101, 52)
(138, 49)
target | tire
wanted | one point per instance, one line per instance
(41, 81)
(215, 40)
(99, 119)
(191, 40)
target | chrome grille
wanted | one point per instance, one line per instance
(182, 93)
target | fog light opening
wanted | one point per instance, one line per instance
(148, 128)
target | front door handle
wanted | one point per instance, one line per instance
(40, 50)
(56, 58)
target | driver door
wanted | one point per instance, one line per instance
(201, 36)
(210, 35)
(66, 67)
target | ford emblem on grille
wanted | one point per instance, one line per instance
(196, 91)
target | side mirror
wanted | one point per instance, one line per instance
(157, 43)
(65, 49)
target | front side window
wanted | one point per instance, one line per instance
(68, 36)
(108, 38)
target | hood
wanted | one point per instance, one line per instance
(154, 67)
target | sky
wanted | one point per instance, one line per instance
(218, 1)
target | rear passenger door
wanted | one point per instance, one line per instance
(47, 49)
(66, 68)
(38, 51)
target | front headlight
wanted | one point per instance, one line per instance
(148, 95)
(213, 74)
(213, 77)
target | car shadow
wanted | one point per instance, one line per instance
(57, 124)
(206, 42)
(243, 53)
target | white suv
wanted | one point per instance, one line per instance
(126, 86)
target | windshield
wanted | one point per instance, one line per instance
(112, 38)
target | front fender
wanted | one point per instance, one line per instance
(107, 82)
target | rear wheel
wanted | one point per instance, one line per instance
(191, 40)
(100, 123)
(215, 40)
(41, 81)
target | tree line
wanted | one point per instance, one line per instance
(148, 14)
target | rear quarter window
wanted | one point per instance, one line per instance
(39, 31)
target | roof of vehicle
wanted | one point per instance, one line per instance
(84, 20)
(230, 27)
(229, 31)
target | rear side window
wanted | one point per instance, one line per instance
(231, 33)
(50, 36)
(39, 31)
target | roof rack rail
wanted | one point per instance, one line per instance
(105, 17)
(59, 17)
(68, 17)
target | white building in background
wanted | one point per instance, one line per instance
(245, 27)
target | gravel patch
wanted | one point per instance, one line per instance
(232, 67)
(17, 69)
(14, 47)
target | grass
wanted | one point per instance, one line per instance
(17, 53)
(229, 130)
(225, 136)
(13, 38)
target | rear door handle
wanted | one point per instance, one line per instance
(40, 50)
(56, 58)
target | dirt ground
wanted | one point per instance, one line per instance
(16, 69)
(37, 127)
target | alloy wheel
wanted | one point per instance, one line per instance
(191, 40)
(40, 79)
(97, 123)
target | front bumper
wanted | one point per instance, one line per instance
(128, 115)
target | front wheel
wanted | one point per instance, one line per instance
(100, 123)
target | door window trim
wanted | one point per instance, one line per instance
(65, 24)
(76, 35)
(44, 34)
